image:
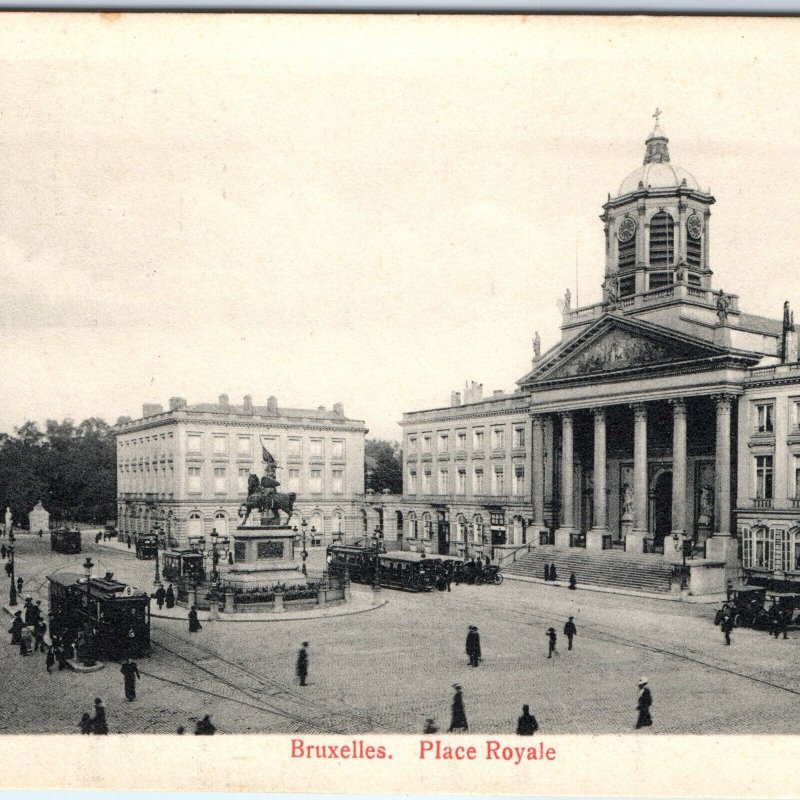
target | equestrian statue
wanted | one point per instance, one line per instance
(263, 497)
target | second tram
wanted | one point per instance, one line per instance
(65, 540)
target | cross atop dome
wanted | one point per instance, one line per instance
(657, 152)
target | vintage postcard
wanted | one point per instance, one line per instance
(400, 404)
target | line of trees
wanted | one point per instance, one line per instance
(70, 468)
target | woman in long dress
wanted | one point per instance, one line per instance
(194, 622)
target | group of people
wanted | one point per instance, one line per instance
(97, 723)
(28, 633)
(551, 575)
(526, 724)
(165, 597)
(570, 631)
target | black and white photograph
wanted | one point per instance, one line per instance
(431, 376)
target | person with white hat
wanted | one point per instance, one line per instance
(643, 705)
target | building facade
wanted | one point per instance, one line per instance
(665, 415)
(187, 467)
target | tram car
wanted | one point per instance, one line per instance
(358, 562)
(411, 571)
(184, 566)
(109, 617)
(146, 546)
(65, 540)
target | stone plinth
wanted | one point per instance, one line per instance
(562, 538)
(264, 556)
(594, 538)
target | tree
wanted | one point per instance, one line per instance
(383, 466)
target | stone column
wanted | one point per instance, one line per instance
(594, 538)
(721, 546)
(567, 471)
(639, 531)
(678, 466)
(537, 476)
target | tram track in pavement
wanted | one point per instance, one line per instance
(283, 701)
(600, 633)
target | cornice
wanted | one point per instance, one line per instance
(342, 427)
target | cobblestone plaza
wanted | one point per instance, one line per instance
(388, 669)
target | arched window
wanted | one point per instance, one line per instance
(221, 523)
(194, 525)
(662, 239)
(427, 525)
(412, 525)
(477, 522)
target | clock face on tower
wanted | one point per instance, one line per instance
(694, 225)
(627, 229)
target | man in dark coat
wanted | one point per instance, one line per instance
(131, 672)
(20, 583)
(569, 631)
(99, 723)
(37, 612)
(547, 572)
(553, 575)
(3, 551)
(39, 630)
(458, 716)
(727, 626)
(204, 727)
(169, 597)
(160, 597)
(194, 622)
(573, 581)
(527, 724)
(643, 705)
(473, 646)
(30, 611)
(302, 663)
(50, 659)
(16, 628)
(551, 642)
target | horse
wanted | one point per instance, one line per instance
(264, 502)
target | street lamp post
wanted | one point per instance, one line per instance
(156, 531)
(12, 594)
(88, 653)
(377, 537)
(304, 551)
(214, 557)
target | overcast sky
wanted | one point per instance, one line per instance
(360, 209)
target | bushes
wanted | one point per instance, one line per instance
(305, 591)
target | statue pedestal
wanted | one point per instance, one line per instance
(720, 547)
(264, 556)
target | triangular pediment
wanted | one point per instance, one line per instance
(614, 344)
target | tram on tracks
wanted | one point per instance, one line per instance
(146, 546)
(413, 572)
(111, 618)
(65, 540)
(184, 566)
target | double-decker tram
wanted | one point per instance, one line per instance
(184, 566)
(109, 617)
(65, 540)
(146, 546)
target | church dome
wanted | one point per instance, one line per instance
(657, 172)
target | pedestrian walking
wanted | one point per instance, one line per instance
(302, 663)
(169, 597)
(573, 581)
(85, 724)
(26, 641)
(430, 726)
(449, 573)
(128, 540)
(645, 700)
(553, 575)
(61, 656)
(50, 659)
(527, 724)
(547, 572)
(16, 628)
(727, 626)
(20, 584)
(569, 631)
(3, 551)
(99, 722)
(458, 716)
(130, 672)
(205, 727)
(160, 597)
(39, 630)
(551, 642)
(37, 611)
(473, 646)
(28, 611)
(194, 622)
(8, 570)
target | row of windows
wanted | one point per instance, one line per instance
(772, 549)
(244, 445)
(443, 485)
(764, 415)
(292, 483)
(498, 440)
(142, 441)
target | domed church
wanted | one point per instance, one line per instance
(660, 438)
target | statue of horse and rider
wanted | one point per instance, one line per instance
(263, 497)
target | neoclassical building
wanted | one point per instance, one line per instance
(666, 413)
(187, 467)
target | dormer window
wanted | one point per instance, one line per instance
(662, 239)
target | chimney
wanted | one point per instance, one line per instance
(149, 409)
(338, 409)
(177, 402)
(272, 404)
(223, 401)
(109, 576)
(248, 404)
(477, 392)
(497, 393)
(455, 398)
